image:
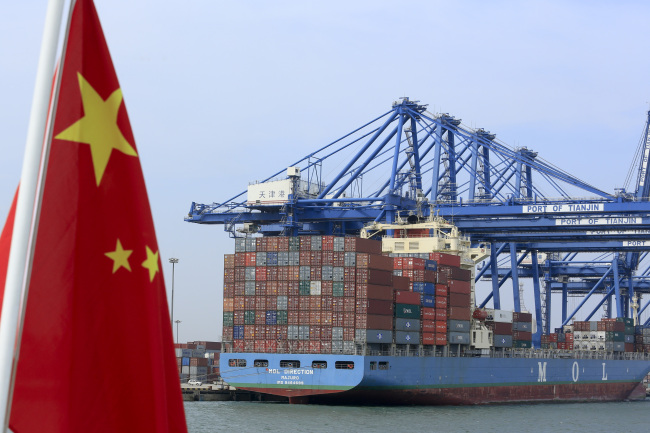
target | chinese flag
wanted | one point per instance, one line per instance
(96, 352)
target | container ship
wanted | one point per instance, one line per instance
(389, 317)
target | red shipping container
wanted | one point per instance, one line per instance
(522, 336)
(304, 302)
(326, 318)
(294, 273)
(250, 259)
(371, 321)
(373, 291)
(442, 278)
(325, 347)
(238, 345)
(457, 286)
(430, 276)
(327, 243)
(293, 288)
(293, 317)
(349, 320)
(568, 337)
(260, 287)
(326, 332)
(552, 338)
(228, 304)
(262, 244)
(260, 302)
(271, 273)
(348, 333)
(293, 303)
(240, 259)
(316, 273)
(326, 303)
(459, 313)
(374, 276)
(260, 317)
(337, 319)
(339, 258)
(401, 283)
(315, 332)
(442, 302)
(283, 332)
(397, 263)
(327, 258)
(561, 345)
(271, 346)
(315, 303)
(459, 300)
(442, 290)
(271, 302)
(349, 305)
(349, 289)
(349, 274)
(272, 288)
(428, 313)
(228, 261)
(411, 298)
(337, 305)
(374, 306)
(441, 314)
(374, 261)
(445, 259)
(418, 275)
(326, 288)
(316, 258)
(239, 303)
(240, 288)
(629, 347)
(522, 317)
(441, 339)
(428, 326)
(314, 346)
(428, 338)
(249, 302)
(362, 245)
(303, 317)
(501, 328)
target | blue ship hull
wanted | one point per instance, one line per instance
(435, 380)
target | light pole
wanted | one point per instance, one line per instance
(177, 322)
(173, 261)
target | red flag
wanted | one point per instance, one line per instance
(5, 244)
(97, 349)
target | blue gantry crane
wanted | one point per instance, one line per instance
(411, 162)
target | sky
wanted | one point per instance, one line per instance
(223, 93)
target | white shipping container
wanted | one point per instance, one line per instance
(315, 288)
(185, 369)
(502, 316)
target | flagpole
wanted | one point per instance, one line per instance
(21, 249)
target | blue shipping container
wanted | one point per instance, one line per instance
(185, 361)
(271, 317)
(429, 289)
(238, 332)
(272, 259)
(418, 286)
(431, 265)
(427, 301)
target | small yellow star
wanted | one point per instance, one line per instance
(151, 263)
(120, 257)
(98, 128)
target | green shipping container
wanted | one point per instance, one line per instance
(281, 317)
(304, 287)
(629, 330)
(521, 344)
(249, 317)
(407, 311)
(228, 317)
(337, 288)
(614, 336)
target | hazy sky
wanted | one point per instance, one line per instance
(222, 93)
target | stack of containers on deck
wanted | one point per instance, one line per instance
(415, 302)
(642, 339)
(522, 326)
(610, 335)
(459, 288)
(192, 362)
(500, 321)
(306, 294)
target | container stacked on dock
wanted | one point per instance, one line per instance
(198, 360)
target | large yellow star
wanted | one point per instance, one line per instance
(120, 257)
(98, 127)
(151, 263)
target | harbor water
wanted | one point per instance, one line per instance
(516, 418)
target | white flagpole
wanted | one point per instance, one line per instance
(22, 242)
